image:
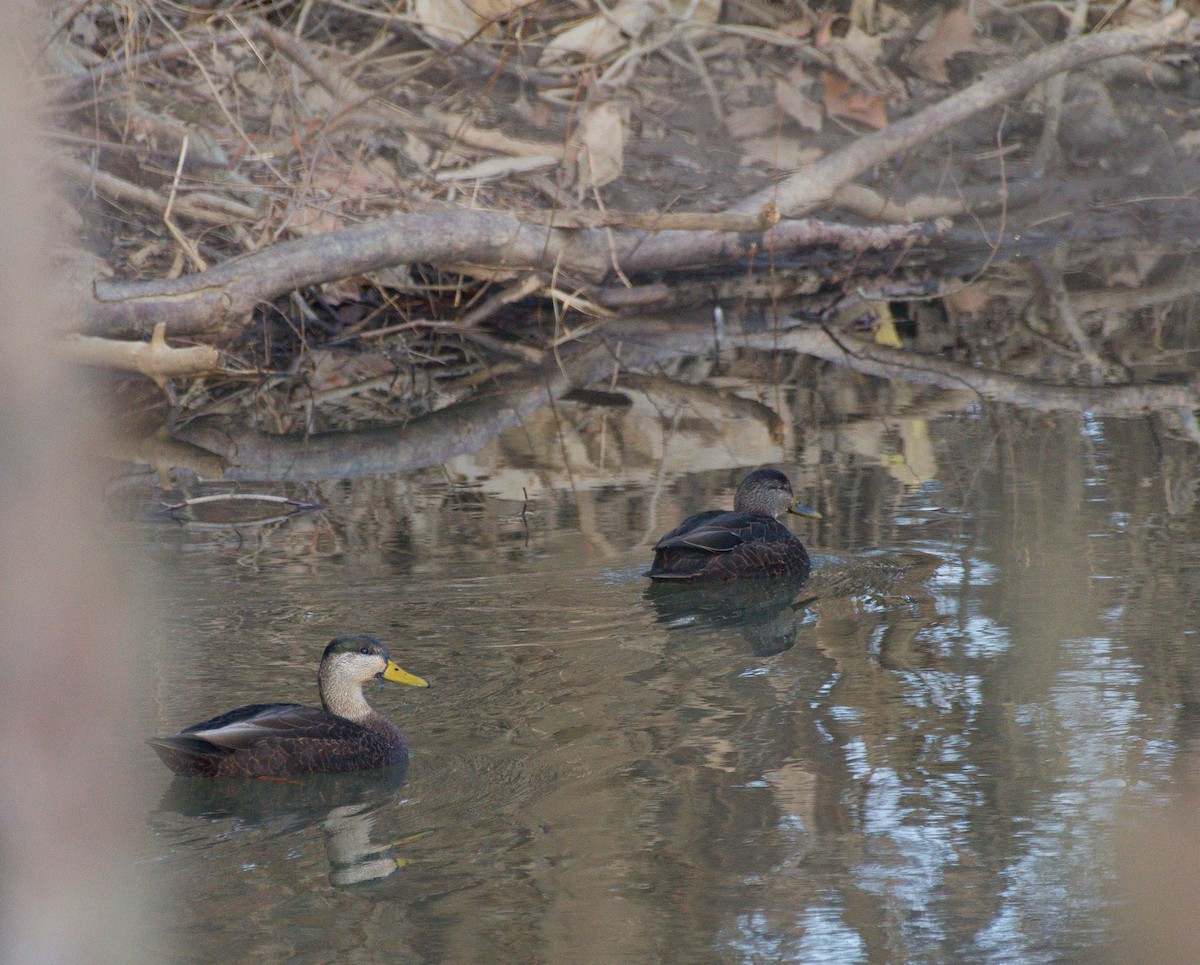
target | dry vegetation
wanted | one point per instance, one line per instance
(359, 213)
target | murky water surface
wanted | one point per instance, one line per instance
(932, 753)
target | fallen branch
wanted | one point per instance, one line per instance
(206, 208)
(980, 199)
(816, 183)
(657, 220)
(154, 359)
(222, 298)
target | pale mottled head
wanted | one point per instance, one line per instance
(356, 658)
(769, 493)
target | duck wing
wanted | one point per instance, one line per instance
(725, 546)
(694, 522)
(720, 532)
(276, 739)
(245, 727)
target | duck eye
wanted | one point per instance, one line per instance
(365, 651)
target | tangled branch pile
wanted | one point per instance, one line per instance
(372, 210)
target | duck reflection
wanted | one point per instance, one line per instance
(343, 806)
(768, 612)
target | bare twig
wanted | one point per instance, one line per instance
(1056, 86)
(656, 220)
(514, 293)
(996, 386)
(183, 241)
(205, 208)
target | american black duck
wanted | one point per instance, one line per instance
(280, 740)
(750, 541)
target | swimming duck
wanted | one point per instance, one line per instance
(289, 739)
(750, 541)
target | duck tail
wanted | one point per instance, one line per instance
(677, 566)
(187, 755)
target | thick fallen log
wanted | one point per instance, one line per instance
(221, 299)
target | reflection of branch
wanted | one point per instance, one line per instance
(466, 426)
(162, 453)
(978, 199)
(720, 399)
(996, 386)
(453, 431)
(1052, 280)
(814, 185)
(1180, 284)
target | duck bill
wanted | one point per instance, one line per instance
(395, 674)
(800, 510)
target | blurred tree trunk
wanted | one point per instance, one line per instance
(67, 803)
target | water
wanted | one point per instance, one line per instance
(934, 757)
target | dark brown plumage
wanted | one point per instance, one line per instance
(290, 739)
(750, 541)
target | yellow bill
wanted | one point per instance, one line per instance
(397, 675)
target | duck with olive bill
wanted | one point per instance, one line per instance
(747, 542)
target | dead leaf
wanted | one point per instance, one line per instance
(953, 34)
(797, 29)
(1138, 13)
(84, 31)
(597, 37)
(968, 300)
(459, 20)
(335, 187)
(794, 100)
(823, 36)
(1189, 142)
(858, 57)
(1131, 269)
(885, 325)
(416, 150)
(595, 152)
(594, 38)
(333, 368)
(751, 121)
(844, 99)
(778, 153)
